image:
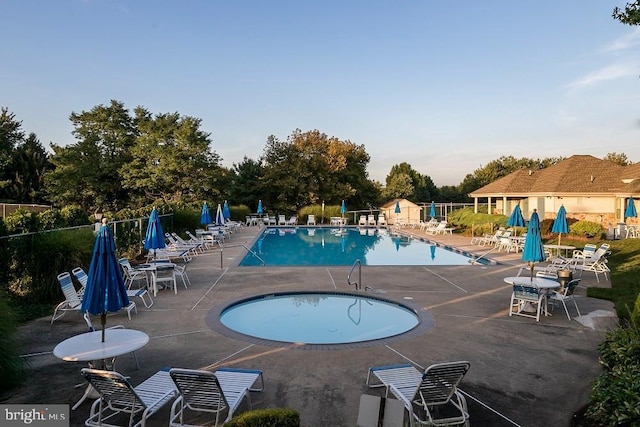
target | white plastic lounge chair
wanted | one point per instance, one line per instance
(425, 393)
(566, 294)
(371, 220)
(487, 239)
(382, 222)
(311, 220)
(206, 244)
(73, 300)
(293, 220)
(443, 228)
(362, 221)
(205, 391)
(282, 220)
(196, 244)
(118, 396)
(176, 242)
(82, 278)
(597, 263)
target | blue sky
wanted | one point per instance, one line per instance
(445, 86)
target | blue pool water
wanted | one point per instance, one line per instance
(318, 318)
(328, 246)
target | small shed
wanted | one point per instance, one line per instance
(409, 211)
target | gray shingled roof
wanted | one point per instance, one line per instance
(581, 174)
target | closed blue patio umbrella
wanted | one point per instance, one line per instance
(560, 224)
(205, 215)
(343, 210)
(516, 219)
(225, 211)
(533, 248)
(219, 216)
(154, 237)
(259, 211)
(105, 290)
(432, 210)
(397, 209)
(631, 209)
(433, 251)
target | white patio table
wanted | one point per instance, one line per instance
(88, 347)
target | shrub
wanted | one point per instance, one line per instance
(329, 211)
(635, 314)
(11, 366)
(587, 228)
(21, 221)
(616, 391)
(50, 219)
(184, 219)
(480, 223)
(240, 212)
(272, 417)
(73, 215)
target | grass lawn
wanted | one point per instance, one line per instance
(624, 263)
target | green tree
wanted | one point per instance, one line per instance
(619, 159)
(171, 160)
(246, 187)
(399, 186)
(11, 135)
(424, 189)
(88, 172)
(29, 164)
(499, 168)
(311, 167)
(630, 15)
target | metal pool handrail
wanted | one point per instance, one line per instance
(357, 284)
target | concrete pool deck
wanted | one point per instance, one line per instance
(534, 374)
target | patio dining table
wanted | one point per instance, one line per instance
(545, 285)
(558, 248)
(152, 273)
(89, 347)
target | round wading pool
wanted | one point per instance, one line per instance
(319, 318)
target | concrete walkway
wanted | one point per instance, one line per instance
(522, 372)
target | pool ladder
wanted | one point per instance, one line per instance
(358, 284)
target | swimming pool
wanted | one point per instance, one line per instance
(320, 318)
(321, 246)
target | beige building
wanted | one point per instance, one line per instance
(590, 189)
(409, 211)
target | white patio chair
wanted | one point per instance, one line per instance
(118, 396)
(523, 296)
(597, 263)
(311, 220)
(362, 221)
(566, 294)
(425, 393)
(164, 275)
(212, 392)
(73, 300)
(180, 270)
(142, 293)
(131, 275)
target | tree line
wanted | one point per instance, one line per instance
(122, 159)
